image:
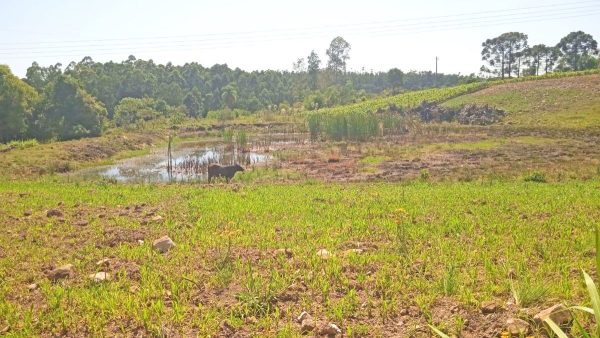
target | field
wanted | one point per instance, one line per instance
(381, 237)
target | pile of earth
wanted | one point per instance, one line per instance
(468, 114)
(431, 112)
(482, 115)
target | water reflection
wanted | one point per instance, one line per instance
(190, 160)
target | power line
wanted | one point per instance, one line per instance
(415, 25)
(378, 31)
(399, 23)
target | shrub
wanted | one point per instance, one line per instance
(227, 114)
(132, 110)
(424, 174)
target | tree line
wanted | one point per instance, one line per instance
(81, 99)
(510, 55)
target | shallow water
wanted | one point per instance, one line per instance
(190, 160)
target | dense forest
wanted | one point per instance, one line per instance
(83, 98)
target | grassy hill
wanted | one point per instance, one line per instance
(572, 102)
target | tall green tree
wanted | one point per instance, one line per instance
(395, 78)
(503, 53)
(579, 51)
(194, 104)
(17, 100)
(313, 65)
(229, 96)
(541, 58)
(38, 76)
(67, 111)
(338, 53)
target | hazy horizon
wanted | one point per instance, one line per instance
(272, 35)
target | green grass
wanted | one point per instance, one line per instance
(571, 102)
(360, 122)
(423, 242)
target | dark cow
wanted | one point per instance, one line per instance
(228, 171)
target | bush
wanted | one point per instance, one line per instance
(227, 114)
(18, 145)
(132, 110)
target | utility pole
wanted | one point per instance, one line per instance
(435, 78)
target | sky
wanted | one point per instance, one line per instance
(272, 34)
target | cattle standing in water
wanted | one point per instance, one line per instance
(215, 170)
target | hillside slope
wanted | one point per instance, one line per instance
(569, 102)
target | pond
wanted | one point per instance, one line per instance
(190, 161)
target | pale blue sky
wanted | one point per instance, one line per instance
(271, 34)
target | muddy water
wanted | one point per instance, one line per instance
(190, 161)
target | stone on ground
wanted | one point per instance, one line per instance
(330, 330)
(517, 327)
(558, 313)
(163, 244)
(99, 277)
(323, 253)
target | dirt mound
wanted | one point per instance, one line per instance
(482, 115)
(470, 114)
(431, 112)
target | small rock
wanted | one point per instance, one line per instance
(307, 325)
(61, 272)
(558, 313)
(490, 307)
(302, 316)
(287, 252)
(517, 327)
(27, 213)
(163, 244)
(99, 277)
(54, 213)
(323, 253)
(103, 262)
(32, 287)
(330, 330)
(140, 242)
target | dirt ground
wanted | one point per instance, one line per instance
(500, 152)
